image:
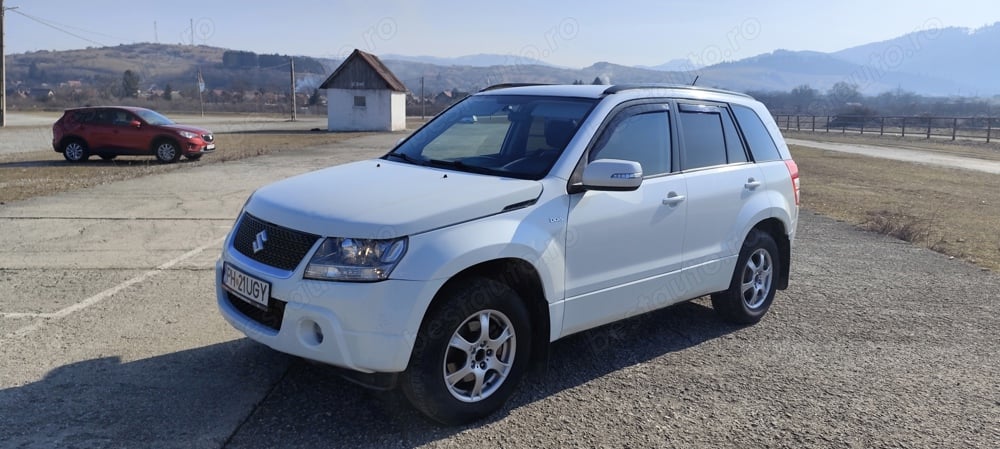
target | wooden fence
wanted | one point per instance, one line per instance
(952, 128)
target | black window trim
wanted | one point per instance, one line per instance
(695, 106)
(744, 144)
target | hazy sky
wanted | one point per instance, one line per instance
(566, 33)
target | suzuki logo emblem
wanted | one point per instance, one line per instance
(258, 243)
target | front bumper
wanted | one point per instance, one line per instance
(365, 327)
(198, 147)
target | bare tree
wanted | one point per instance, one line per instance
(843, 93)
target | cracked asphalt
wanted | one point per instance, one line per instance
(109, 337)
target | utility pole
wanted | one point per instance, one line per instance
(423, 99)
(291, 64)
(192, 32)
(3, 72)
(201, 90)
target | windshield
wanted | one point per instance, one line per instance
(153, 118)
(506, 135)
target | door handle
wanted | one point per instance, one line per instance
(673, 199)
(751, 184)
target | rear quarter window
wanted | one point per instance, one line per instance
(84, 116)
(761, 144)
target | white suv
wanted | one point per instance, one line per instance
(519, 216)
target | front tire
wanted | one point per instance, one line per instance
(75, 151)
(754, 281)
(472, 350)
(167, 151)
(193, 157)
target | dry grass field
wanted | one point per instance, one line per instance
(26, 175)
(952, 211)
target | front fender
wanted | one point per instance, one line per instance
(536, 235)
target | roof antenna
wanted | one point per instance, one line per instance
(695, 80)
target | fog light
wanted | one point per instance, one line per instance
(310, 333)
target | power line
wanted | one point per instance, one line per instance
(76, 28)
(57, 28)
(283, 64)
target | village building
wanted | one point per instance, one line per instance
(364, 95)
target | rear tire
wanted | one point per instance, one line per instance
(109, 157)
(167, 151)
(75, 150)
(754, 281)
(461, 371)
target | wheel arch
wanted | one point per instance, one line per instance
(164, 138)
(69, 138)
(525, 280)
(776, 229)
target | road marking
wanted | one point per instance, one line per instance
(93, 300)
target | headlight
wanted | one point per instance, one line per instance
(357, 260)
(187, 134)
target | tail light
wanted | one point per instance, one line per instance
(793, 170)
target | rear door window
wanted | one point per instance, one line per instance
(704, 142)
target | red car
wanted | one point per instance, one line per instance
(109, 132)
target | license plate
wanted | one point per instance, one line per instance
(246, 287)
(210, 147)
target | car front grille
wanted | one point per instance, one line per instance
(270, 317)
(271, 244)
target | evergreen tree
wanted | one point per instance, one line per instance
(130, 84)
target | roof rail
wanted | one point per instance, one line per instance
(505, 85)
(623, 87)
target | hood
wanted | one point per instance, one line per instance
(384, 199)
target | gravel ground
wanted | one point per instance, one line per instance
(876, 343)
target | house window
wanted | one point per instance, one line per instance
(359, 101)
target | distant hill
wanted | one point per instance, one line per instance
(478, 60)
(673, 65)
(944, 62)
(783, 70)
(960, 55)
(160, 64)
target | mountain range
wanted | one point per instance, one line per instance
(935, 62)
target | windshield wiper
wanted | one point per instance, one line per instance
(458, 165)
(462, 166)
(407, 158)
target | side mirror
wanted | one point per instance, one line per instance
(135, 124)
(612, 174)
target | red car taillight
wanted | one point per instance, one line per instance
(793, 170)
